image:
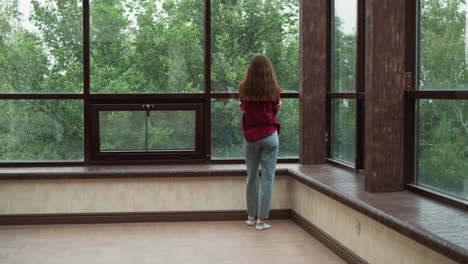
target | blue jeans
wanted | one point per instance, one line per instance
(264, 153)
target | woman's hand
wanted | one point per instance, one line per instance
(242, 107)
(277, 107)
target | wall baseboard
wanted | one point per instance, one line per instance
(111, 217)
(328, 241)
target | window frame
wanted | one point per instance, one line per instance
(90, 100)
(98, 155)
(412, 95)
(358, 95)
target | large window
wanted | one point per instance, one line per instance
(346, 91)
(76, 76)
(442, 125)
(239, 31)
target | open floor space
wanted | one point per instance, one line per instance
(180, 242)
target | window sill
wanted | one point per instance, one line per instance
(438, 196)
(130, 171)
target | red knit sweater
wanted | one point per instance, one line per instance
(259, 119)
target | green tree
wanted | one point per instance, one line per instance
(442, 45)
(443, 124)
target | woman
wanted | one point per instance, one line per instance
(259, 94)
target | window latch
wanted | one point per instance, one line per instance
(148, 106)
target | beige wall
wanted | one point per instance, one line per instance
(131, 195)
(364, 236)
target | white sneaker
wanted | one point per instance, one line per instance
(250, 221)
(262, 226)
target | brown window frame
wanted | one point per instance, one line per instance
(92, 157)
(412, 95)
(98, 155)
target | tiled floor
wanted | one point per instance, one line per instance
(184, 242)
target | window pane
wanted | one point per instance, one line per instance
(147, 131)
(41, 130)
(41, 47)
(171, 130)
(227, 139)
(344, 49)
(146, 46)
(443, 45)
(289, 136)
(442, 146)
(122, 130)
(244, 28)
(343, 137)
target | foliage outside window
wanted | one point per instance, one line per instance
(147, 131)
(443, 146)
(242, 29)
(226, 133)
(344, 46)
(143, 46)
(343, 130)
(41, 46)
(443, 49)
(41, 130)
(442, 129)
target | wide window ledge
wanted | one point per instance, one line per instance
(437, 195)
(436, 225)
(439, 226)
(130, 171)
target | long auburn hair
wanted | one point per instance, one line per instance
(259, 83)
